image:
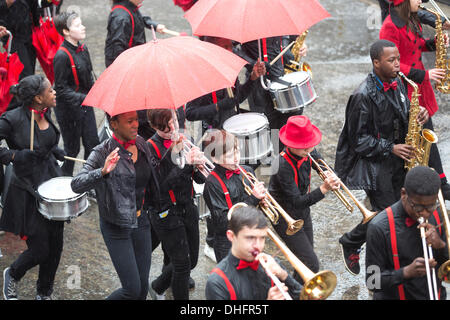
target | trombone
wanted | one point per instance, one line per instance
(317, 286)
(444, 270)
(431, 272)
(367, 214)
(271, 208)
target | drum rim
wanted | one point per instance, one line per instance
(262, 115)
(78, 195)
(308, 78)
(62, 218)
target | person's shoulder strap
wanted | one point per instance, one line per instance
(227, 282)
(286, 157)
(73, 67)
(390, 215)
(158, 153)
(224, 189)
(438, 221)
(130, 43)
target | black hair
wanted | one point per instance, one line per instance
(28, 88)
(64, 20)
(422, 181)
(376, 49)
(109, 119)
(247, 216)
(159, 118)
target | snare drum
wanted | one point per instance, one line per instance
(253, 133)
(294, 91)
(58, 201)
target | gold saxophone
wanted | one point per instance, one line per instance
(420, 139)
(441, 54)
(294, 66)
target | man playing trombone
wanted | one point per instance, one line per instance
(395, 263)
(290, 185)
(241, 275)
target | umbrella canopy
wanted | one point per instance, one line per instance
(165, 74)
(247, 20)
(10, 70)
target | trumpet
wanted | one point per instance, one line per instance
(431, 272)
(207, 165)
(367, 214)
(272, 209)
(317, 286)
(444, 270)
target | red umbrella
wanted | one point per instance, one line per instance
(10, 69)
(164, 73)
(247, 20)
(46, 41)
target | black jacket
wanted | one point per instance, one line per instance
(215, 198)
(204, 108)
(296, 200)
(374, 121)
(120, 29)
(115, 192)
(409, 246)
(247, 283)
(20, 215)
(68, 99)
(170, 177)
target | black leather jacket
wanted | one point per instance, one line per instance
(120, 29)
(115, 192)
(374, 121)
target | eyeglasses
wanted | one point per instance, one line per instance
(419, 208)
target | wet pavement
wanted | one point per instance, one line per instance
(338, 54)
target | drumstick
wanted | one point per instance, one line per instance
(174, 33)
(32, 131)
(281, 53)
(74, 159)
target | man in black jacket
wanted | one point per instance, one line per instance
(239, 275)
(72, 85)
(371, 150)
(395, 267)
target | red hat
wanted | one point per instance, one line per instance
(300, 133)
(396, 2)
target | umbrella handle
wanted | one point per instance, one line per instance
(9, 43)
(263, 84)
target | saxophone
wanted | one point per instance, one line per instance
(294, 66)
(441, 54)
(418, 138)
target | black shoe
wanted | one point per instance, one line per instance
(43, 297)
(351, 259)
(446, 191)
(191, 283)
(9, 286)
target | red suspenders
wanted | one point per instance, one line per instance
(299, 163)
(74, 68)
(130, 43)
(224, 189)
(227, 282)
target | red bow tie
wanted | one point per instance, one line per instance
(80, 48)
(125, 144)
(388, 86)
(40, 113)
(167, 143)
(409, 222)
(245, 264)
(229, 173)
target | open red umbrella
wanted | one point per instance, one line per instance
(163, 73)
(247, 20)
(10, 69)
(46, 41)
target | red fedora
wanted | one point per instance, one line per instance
(300, 133)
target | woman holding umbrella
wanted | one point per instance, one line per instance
(20, 216)
(120, 169)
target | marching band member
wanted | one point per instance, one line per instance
(72, 85)
(44, 238)
(224, 186)
(173, 213)
(371, 150)
(394, 240)
(403, 28)
(290, 186)
(239, 276)
(120, 169)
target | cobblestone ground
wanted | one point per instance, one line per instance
(338, 54)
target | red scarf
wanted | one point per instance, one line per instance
(124, 144)
(40, 113)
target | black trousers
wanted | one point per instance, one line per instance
(389, 183)
(44, 249)
(130, 252)
(72, 131)
(301, 244)
(435, 158)
(180, 240)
